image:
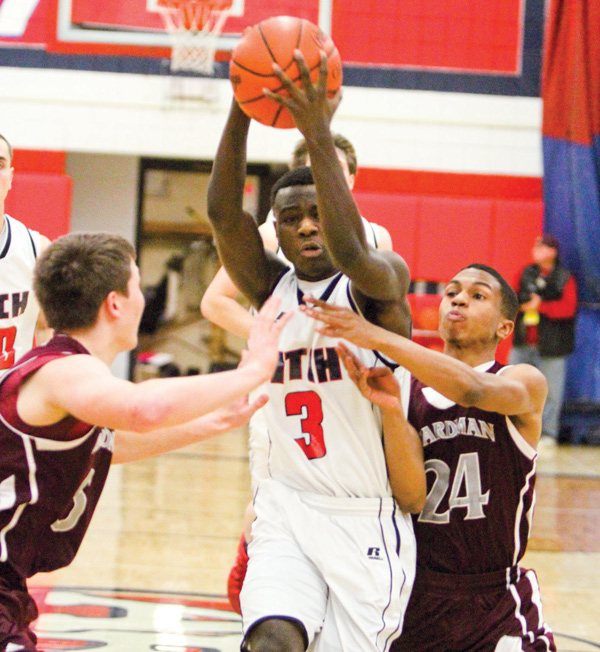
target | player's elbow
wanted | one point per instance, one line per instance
(470, 398)
(412, 504)
(411, 499)
(208, 307)
(147, 414)
(471, 389)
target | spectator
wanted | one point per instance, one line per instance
(545, 327)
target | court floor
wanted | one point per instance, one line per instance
(152, 572)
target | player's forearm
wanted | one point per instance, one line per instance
(228, 177)
(134, 446)
(161, 403)
(338, 214)
(404, 460)
(228, 314)
(452, 378)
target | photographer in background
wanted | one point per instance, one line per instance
(545, 327)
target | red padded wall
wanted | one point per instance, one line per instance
(399, 214)
(516, 226)
(437, 236)
(42, 201)
(448, 184)
(452, 233)
(30, 160)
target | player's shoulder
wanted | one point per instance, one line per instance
(522, 370)
(528, 375)
(269, 235)
(23, 236)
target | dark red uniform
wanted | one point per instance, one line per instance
(470, 595)
(51, 478)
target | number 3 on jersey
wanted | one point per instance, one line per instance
(308, 406)
(466, 478)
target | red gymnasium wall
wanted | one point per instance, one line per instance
(440, 222)
(41, 192)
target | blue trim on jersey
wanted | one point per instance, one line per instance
(326, 294)
(391, 575)
(386, 361)
(32, 243)
(276, 281)
(372, 227)
(8, 237)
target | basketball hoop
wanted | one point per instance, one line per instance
(194, 27)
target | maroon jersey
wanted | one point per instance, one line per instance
(480, 482)
(51, 477)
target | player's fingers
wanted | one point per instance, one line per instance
(282, 320)
(336, 99)
(345, 351)
(334, 316)
(347, 360)
(276, 97)
(327, 308)
(304, 73)
(257, 403)
(378, 372)
(269, 309)
(329, 320)
(322, 82)
(351, 372)
(286, 82)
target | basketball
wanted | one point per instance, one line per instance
(274, 40)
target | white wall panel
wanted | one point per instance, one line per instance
(105, 199)
(131, 114)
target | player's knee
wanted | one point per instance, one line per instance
(276, 635)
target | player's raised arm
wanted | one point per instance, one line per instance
(519, 392)
(453, 378)
(380, 279)
(236, 233)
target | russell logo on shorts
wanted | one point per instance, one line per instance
(373, 553)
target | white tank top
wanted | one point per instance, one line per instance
(19, 308)
(324, 436)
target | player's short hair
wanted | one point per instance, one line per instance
(300, 153)
(510, 301)
(10, 149)
(75, 275)
(301, 176)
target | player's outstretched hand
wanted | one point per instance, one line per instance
(237, 414)
(377, 384)
(263, 341)
(308, 104)
(342, 322)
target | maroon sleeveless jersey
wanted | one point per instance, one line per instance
(480, 485)
(51, 477)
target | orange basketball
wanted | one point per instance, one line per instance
(274, 40)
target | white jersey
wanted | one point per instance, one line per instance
(258, 442)
(324, 436)
(19, 308)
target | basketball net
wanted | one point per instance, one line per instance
(194, 27)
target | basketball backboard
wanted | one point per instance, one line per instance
(88, 25)
(395, 42)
